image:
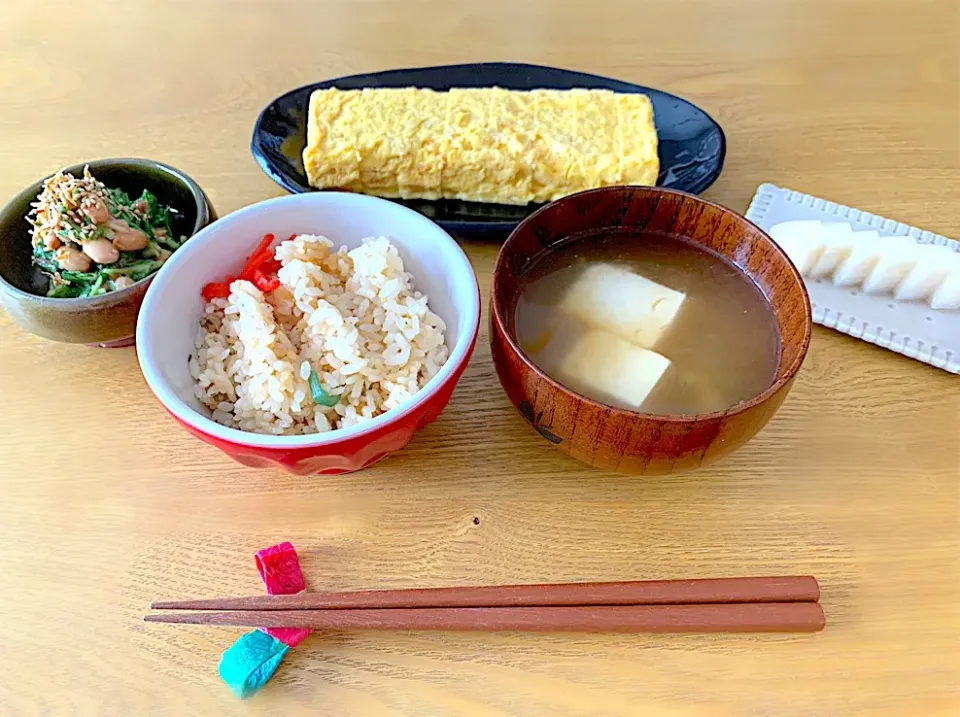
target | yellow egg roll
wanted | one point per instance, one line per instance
(480, 145)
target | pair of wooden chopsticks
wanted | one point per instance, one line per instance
(763, 604)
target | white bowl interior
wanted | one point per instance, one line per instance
(169, 317)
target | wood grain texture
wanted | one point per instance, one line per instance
(855, 480)
(615, 439)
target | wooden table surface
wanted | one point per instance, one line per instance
(106, 504)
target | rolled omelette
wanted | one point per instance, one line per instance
(481, 145)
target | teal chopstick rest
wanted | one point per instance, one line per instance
(250, 661)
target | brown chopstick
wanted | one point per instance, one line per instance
(650, 592)
(742, 617)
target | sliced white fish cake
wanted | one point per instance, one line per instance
(898, 255)
(947, 295)
(802, 240)
(863, 256)
(934, 263)
(613, 298)
(611, 366)
(838, 242)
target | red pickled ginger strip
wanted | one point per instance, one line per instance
(260, 269)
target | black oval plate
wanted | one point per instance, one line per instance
(692, 145)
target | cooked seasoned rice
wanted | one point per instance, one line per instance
(354, 317)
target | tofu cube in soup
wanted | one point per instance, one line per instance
(608, 365)
(623, 303)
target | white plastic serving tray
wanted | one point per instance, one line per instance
(911, 328)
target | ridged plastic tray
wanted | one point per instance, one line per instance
(911, 328)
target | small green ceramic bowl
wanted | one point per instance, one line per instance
(111, 319)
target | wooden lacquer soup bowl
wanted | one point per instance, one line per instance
(622, 440)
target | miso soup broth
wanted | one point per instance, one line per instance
(587, 320)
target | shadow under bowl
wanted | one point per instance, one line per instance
(109, 320)
(620, 440)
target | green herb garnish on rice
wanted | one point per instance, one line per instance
(321, 397)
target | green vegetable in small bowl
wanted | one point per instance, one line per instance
(89, 239)
(75, 261)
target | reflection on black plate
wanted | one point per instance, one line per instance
(692, 145)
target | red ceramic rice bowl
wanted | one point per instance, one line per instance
(169, 319)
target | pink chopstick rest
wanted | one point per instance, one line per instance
(279, 568)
